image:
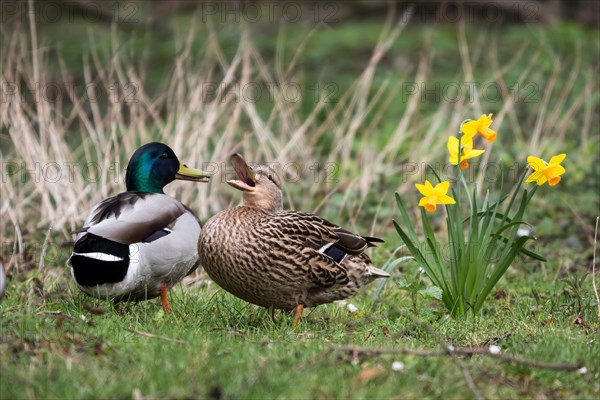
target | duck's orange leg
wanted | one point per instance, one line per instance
(165, 299)
(298, 313)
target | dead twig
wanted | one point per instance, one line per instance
(594, 268)
(42, 263)
(153, 336)
(454, 351)
(466, 374)
(448, 349)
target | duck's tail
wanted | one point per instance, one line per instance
(377, 272)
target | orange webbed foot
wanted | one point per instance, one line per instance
(164, 298)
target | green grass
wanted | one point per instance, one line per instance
(214, 345)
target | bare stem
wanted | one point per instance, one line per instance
(42, 263)
(153, 336)
(594, 267)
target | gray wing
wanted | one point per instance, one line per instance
(131, 217)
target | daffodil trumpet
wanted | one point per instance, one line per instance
(434, 195)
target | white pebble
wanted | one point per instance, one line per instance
(351, 307)
(494, 349)
(523, 232)
(397, 366)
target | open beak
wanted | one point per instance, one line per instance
(246, 181)
(186, 173)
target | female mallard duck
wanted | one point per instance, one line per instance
(137, 244)
(281, 259)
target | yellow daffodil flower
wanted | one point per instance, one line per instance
(434, 195)
(467, 152)
(481, 126)
(546, 171)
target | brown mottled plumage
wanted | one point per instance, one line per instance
(281, 259)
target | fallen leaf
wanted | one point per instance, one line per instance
(94, 310)
(368, 373)
(581, 321)
(98, 350)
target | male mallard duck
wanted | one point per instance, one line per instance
(139, 243)
(281, 259)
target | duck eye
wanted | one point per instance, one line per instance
(164, 155)
(272, 180)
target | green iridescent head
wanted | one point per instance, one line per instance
(154, 165)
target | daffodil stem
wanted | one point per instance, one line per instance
(460, 175)
(464, 183)
(460, 234)
(531, 193)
